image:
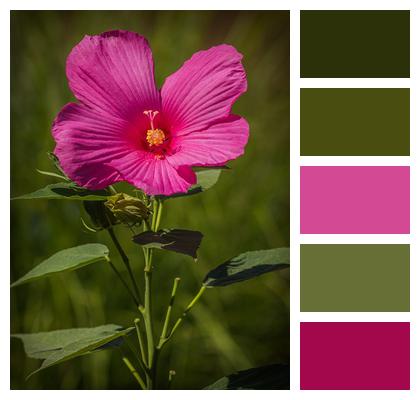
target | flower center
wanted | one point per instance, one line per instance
(154, 136)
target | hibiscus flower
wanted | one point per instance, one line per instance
(125, 129)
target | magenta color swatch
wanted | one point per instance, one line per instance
(354, 355)
(355, 200)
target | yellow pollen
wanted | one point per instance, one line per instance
(155, 137)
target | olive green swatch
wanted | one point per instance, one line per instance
(355, 44)
(355, 122)
(355, 277)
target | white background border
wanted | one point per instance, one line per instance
(296, 161)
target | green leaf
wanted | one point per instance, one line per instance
(206, 178)
(53, 174)
(58, 346)
(178, 240)
(64, 191)
(66, 260)
(248, 265)
(270, 377)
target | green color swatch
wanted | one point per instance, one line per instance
(355, 44)
(355, 277)
(355, 122)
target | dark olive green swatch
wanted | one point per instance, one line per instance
(355, 277)
(355, 122)
(355, 44)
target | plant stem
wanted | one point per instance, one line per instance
(134, 352)
(169, 310)
(136, 302)
(140, 338)
(159, 214)
(184, 314)
(146, 311)
(155, 212)
(134, 372)
(147, 315)
(126, 262)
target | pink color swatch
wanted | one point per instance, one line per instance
(355, 355)
(355, 200)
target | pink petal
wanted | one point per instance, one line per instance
(203, 90)
(86, 139)
(153, 175)
(216, 145)
(114, 72)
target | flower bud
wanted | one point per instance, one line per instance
(127, 209)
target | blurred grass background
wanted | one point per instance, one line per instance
(234, 328)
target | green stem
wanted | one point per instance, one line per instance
(135, 354)
(159, 214)
(146, 311)
(182, 317)
(134, 372)
(147, 315)
(169, 310)
(140, 339)
(154, 215)
(136, 302)
(126, 262)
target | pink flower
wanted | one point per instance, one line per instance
(125, 129)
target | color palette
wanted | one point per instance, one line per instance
(355, 122)
(355, 355)
(355, 200)
(357, 196)
(355, 277)
(355, 44)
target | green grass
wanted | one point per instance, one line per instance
(236, 327)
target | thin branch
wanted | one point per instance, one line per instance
(134, 372)
(126, 262)
(136, 302)
(169, 310)
(183, 315)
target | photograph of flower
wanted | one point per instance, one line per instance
(150, 200)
